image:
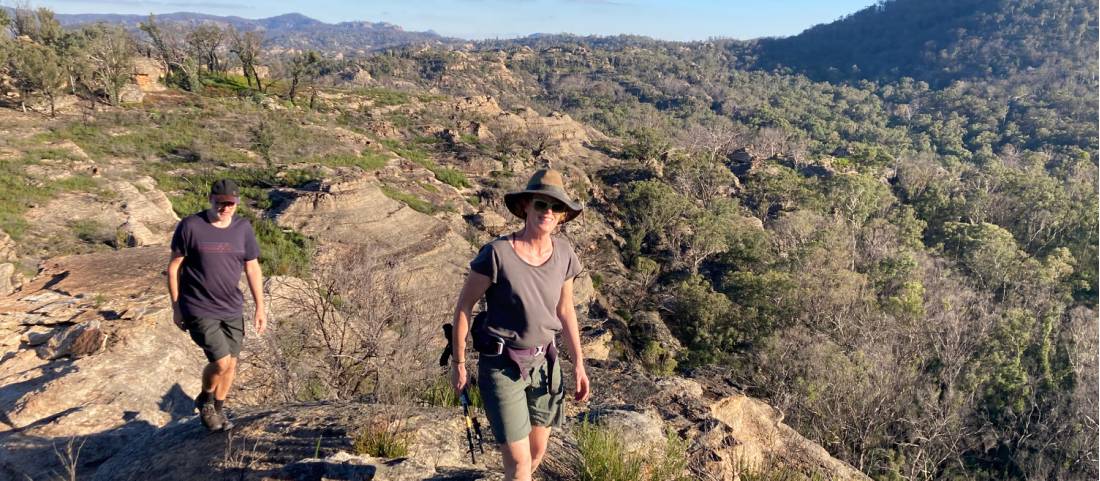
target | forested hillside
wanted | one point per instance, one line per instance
(886, 226)
(940, 42)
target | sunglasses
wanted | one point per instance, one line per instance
(225, 205)
(542, 205)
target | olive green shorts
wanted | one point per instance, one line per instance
(513, 404)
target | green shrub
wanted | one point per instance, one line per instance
(282, 251)
(657, 360)
(385, 97)
(382, 440)
(449, 176)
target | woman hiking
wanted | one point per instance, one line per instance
(527, 280)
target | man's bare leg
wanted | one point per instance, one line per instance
(217, 376)
(225, 378)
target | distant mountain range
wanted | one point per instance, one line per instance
(292, 31)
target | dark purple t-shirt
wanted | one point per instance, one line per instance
(213, 262)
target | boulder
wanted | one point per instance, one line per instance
(76, 341)
(147, 74)
(596, 343)
(137, 235)
(492, 223)
(639, 431)
(764, 440)
(131, 94)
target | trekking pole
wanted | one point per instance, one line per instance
(477, 424)
(469, 424)
(471, 421)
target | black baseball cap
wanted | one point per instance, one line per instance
(225, 190)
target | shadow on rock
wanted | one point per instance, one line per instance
(28, 455)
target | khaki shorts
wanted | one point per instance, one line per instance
(513, 404)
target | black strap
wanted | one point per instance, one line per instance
(446, 355)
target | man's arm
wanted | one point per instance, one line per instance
(174, 289)
(256, 284)
(568, 316)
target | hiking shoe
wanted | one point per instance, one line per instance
(226, 423)
(211, 418)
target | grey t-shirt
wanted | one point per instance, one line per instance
(213, 261)
(523, 299)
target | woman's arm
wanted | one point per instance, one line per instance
(475, 286)
(568, 316)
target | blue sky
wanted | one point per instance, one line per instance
(477, 19)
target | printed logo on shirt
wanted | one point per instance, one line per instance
(216, 247)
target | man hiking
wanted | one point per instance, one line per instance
(210, 249)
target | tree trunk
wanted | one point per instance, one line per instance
(293, 90)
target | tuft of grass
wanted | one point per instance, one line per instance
(603, 457)
(440, 393)
(382, 440)
(414, 202)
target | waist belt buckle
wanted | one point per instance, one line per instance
(499, 344)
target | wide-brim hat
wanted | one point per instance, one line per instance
(546, 182)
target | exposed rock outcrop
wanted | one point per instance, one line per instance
(101, 359)
(355, 214)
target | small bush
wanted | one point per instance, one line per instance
(382, 440)
(657, 360)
